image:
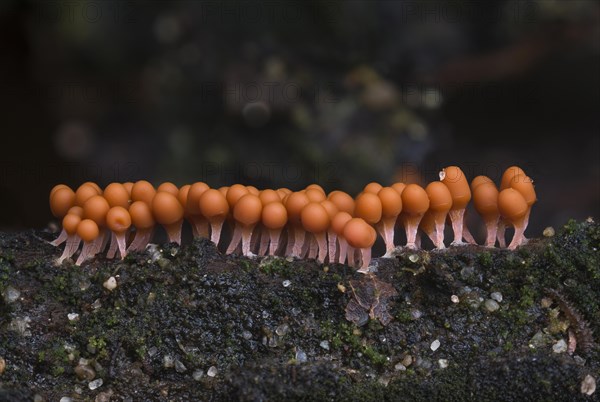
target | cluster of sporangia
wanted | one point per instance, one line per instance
(333, 227)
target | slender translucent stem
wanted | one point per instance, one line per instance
(71, 246)
(517, 239)
(274, 235)
(387, 233)
(366, 259)
(246, 239)
(112, 249)
(174, 231)
(321, 240)
(343, 250)
(411, 225)
(312, 246)
(500, 233)
(351, 256)
(456, 216)
(235, 239)
(332, 245)
(491, 226)
(264, 241)
(299, 235)
(62, 237)
(121, 243)
(215, 231)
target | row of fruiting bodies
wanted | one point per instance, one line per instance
(333, 227)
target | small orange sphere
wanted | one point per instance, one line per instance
(141, 215)
(224, 190)
(315, 195)
(253, 190)
(440, 199)
(368, 207)
(169, 188)
(88, 230)
(166, 208)
(96, 208)
(192, 205)
(213, 205)
(359, 234)
(128, 186)
(234, 193)
(117, 195)
(391, 202)
(274, 215)
(294, 204)
(339, 221)
(268, 196)
(70, 223)
(57, 187)
(508, 175)
(524, 185)
(314, 218)
(414, 200)
(330, 207)
(182, 195)
(485, 199)
(248, 210)
(399, 187)
(512, 205)
(343, 201)
(372, 188)
(142, 190)
(456, 181)
(61, 201)
(478, 181)
(316, 187)
(118, 219)
(76, 210)
(84, 192)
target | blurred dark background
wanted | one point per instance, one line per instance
(275, 93)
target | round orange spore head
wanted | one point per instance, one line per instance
(128, 186)
(316, 187)
(192, 205)
(391, 202)
(182, 195)
(213, 205)
(315, 195)
(440, 199)
(478, 181)
(96, 208)
(512, 205)
(70, 223)
(224, 190)
(485, 199)
(399, 187)
(141, 215)
(142, 190)
(294, 204)
(76, 210)
(248, 210)
(372, 188)
(168, 187)
(339, 221)
(508, 175)
(253, 190)
(524, 185)
(166, 208)
(342, 200)
(117, 195)
(330, 207)
(84, 192)
(414, 200)
(274, 215)
(61, 201)
(118, 219)
(456, 181)
(359, 234)
(368, 207)
(314, 218)
(57, 187)
(267, 196)
(88, 230)
(234, 193)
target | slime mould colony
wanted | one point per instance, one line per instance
(306, 223)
